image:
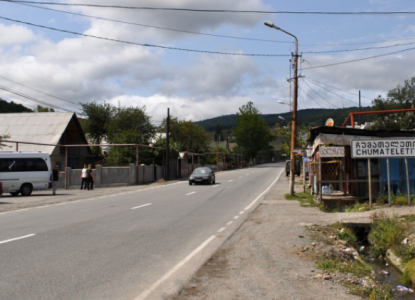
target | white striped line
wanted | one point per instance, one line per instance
(191, 193)
(229, 223)
(241, 212)
(141, 206)
(236, 217)
(257, 198)
(18, 238)
(230, 180)
(166, 276)
(222, 229)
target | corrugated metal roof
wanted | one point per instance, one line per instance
(45, 128)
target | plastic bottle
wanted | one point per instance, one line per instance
(324, 189)
(331, 189)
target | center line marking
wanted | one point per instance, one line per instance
(236, 217)
(222, 229)
(229, 223)
(18, 238)
(190, 193)
(141, 206)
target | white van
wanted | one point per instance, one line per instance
(23, 172)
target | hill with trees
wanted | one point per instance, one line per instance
(11, 107)
(310, 117)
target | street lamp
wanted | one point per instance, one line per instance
(294, 122)
(281, 118)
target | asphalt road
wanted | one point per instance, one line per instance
(141, 244)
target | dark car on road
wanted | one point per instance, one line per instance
(202, 175)
(297, 170)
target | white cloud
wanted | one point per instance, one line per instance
(14, 35)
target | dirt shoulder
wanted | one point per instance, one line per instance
(263, 260)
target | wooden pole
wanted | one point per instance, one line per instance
(389, 181)
(408, 187)
(370, 182)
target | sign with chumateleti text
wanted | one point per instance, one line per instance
(387, 148)
(331, 151)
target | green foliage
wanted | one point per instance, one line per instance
(373, 291)
(386, 232)
(354, 266)
(4, 137)
(219, 136)
(251, 131)
(11, 107)
(312, 117)
(186, 136)
(400, 97)
(41, 108)
(408, 276)
(98, 118)
(347, 235)
(306, 199)
(357, 207)
(285, 134)
(129, 125)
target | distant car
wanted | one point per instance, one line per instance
(1, 188)
(297, 170)
(202, 175)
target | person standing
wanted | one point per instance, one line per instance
(90, 178)
(55, 179)
(84, 177)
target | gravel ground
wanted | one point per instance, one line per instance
(261, 260)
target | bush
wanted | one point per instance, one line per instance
(386, 232)
(408, 276)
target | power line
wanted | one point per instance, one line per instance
(355, 60)
(37, 90)
(157, 27)
(218, 10)
(32, 98)
(353, 44)
(311, 97)
(336, 88)
(144, 45)
(322, 87)
(360, 49)
(320, 95)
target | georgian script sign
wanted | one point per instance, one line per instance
(383, 148)
(331, 151)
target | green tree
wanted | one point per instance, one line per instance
(252, 132)
(129, 125)
(41, 108)
(284, 133)
(400, 97)
(97, 119)
(219, 136)
(4, 137)
(185, 135)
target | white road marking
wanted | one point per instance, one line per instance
(216, 185)
(190, 193)
(141, 206)
(240, 177)
(230, 180)
(229, 223)
(222, 229)
(166, 276)
(241, 212)
(257, 198)
(18, 238)
(236, 217)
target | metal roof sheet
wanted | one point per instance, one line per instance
(46, 128)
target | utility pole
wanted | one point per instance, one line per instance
(360, 109)
(167, 175)
(294, 121)
(217, 154)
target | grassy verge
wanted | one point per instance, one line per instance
(306, 199)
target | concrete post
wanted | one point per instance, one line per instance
(98, 176)
(132, 179)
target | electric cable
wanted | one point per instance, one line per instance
(356, 60)
(217, 10)
(144, 45)
(360, 49)
(320, 95)
(311, 97)
(32, 98)
(336, 88)
(322, 87)
(15, 82)
(157, 27)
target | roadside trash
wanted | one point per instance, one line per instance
(404, 289)
(362, 249)
(383, 272)
(386, 264)
(313, 243)
(300, 236)
(405, 241)
(346, 250)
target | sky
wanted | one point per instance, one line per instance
(203, 64)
